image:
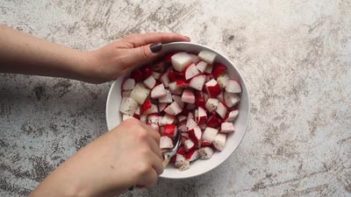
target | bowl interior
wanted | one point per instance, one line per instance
(199, 167)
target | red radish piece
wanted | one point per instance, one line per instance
(143, 118)
(219, 141)
(231, 99)
(184, 136)
(190, 115)
(192, 155)
(201, 116)
(181, 60)
(181, 163)
(221, 110)
(153, 119)
(126, 117)
(218, 70)
(156, 75)
(128, 84)
(150, 82)
(233, 87)
(173, 109)
(191, 71)
(209, 134)
(209, 69)
(167, 98)
(174, 88)
(158, 91)
(198, 82)
(232, 115)
(205, 152)
(174, 75)
(206, 144)
(166, 142)
(165, 79)
(195, 135)
(152, 110)
(128, 106)
(200, 99)
(182, 127)
(166, 119)
(201, 66)
(190, 124)
(179, 101)
(188, 144)
(211, 104)
(126, 93)
(207, 56)
(137, 75)
(162, 106)
(203, 126)
(169, 130)
(222, 80)
(214, 121)
(145, 106)
(182, 83)
(227, 127)
(213, 89)
(188, 96)
(139, 93)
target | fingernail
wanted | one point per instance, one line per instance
(188, 38)
(156, 47)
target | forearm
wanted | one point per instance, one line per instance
(23, 53)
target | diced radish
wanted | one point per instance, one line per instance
(232, 115)
(181, 162)
(165, 79)
(158, 91)
(182, 83)
(214, 121)
(201, 66)
(206, 144)
(203, 126)
(221, 110)
(188, 144)
(173, 109)
(222, 80)
(190, 106)
(128, 84)
(209, 69)
(181, 60)
(174, 75)
(220, 97)
(137, 111)
(159, 67)
(137, 75)
(190, 124)
(143, 118)
(155, 127)
(219, 141)
(233, 87)
(126, 93)
(206, 152)
(192, 155)
(201, 115)
(227, 127)
(139, 93)
(211, 104)
(191, 71)
(128, 106)
(156, 75)
(174, 88)
(197, 82)
(169, 130)
(195, 135)
(126, 117)
(190, 116)
(209, 134)
(153, 119)
(166, 119)
(152, 110)
(150, 82)
(182, 127)
(167, 98)
(166, 142)
(231, 99)
(207, 56)
(179, 101)
(213, 89)
(195, 58)
(184, 136)
(200, 99)
(182, 118)
(218, 70)
(188, 96)
(145, 106)
(162, 106)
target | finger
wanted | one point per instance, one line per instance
(138, 40)
(157, 164)
(153, 133)
(155, 147)
(149, 179)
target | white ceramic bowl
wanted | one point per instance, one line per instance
(113, 116)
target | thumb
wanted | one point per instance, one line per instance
(145, 54)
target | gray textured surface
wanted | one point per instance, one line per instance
(295, 55)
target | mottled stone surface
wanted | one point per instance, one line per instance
(295, 55)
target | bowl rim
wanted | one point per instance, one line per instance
(246, 123)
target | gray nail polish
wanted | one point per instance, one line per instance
(156, 47)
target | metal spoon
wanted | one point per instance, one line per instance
(170, 153)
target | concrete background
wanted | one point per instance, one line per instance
(295, 56)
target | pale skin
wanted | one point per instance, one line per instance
(129, 155)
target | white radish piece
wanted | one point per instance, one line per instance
(174, 88)
(231, 99)
(150, 82)
(143, 118)
(166, 119)
(197, 82)
(126, 93)
(188, 96)
(179, 101)
(166, 142)
(232, 115)
(126, 117)
(201, 66)
(190, 124)
(128, 106)
(165, 79)
(162, 106)
(201, 115)
(209, 134)
(153, 119)
(209, 69)
(182, 127)
(156, 75)
(211, 104)
(195, 58)
(181, 163)
(188, 144)
(195, 134)
(227, 127)
(223, 80)
(137, 111)
(219, 141)
(182, 118)
(128, 84)
(207, 56)
(191, 71)
(221, 110)
(213, 88)
(233, 87)
(139, 93)
(181, 60)
(155, 127)
(220, 97)
(153, 109)
(158, 91)
(173, 109)
(205, 152)
(167, 98)
(194, 155)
